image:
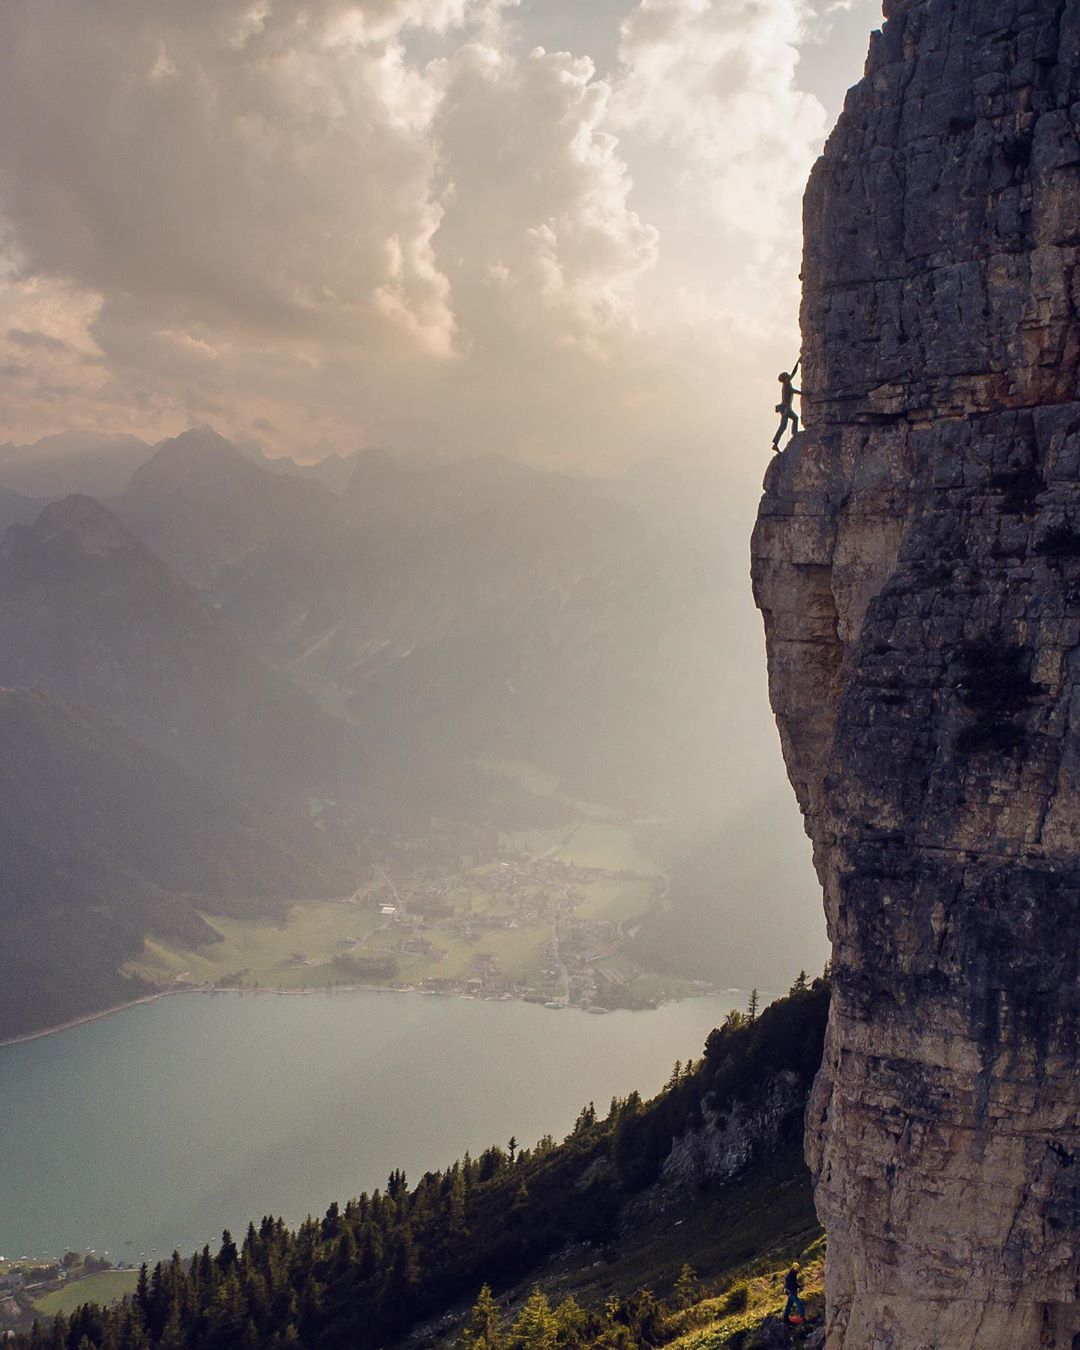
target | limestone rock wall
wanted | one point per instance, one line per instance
(917, 563)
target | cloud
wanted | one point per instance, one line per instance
(390, 221)
(713, 82)
(23, 337)
(256, 186)
(537, 220)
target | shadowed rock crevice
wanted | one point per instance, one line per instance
(917, 563)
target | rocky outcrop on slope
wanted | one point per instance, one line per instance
(917, 563)
(727, 1141)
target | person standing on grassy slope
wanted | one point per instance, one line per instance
(791, 1288)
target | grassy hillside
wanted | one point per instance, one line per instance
(740, 1308)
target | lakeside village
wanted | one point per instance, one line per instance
(524, 894)
(515, 932)
(544, 929)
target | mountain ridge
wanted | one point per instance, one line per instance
(486, 608)
(91, 615)
(104, 843)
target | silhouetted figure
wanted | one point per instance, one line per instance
(791, 1288)
(787, 393)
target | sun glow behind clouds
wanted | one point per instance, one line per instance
(400, 222)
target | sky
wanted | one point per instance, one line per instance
(567, 230)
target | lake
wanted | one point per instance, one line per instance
(158, 1126)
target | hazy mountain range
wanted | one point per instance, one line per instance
(74, 461)
(90, 615)
(101, 464)
(270, 643)
(479, 607)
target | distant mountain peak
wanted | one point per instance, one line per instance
(82, 441)
(201, 440)
(95, 531)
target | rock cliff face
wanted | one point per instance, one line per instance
(917, 562)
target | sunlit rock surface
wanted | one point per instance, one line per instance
(917, 562)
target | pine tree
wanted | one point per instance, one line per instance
(456, 1220)
(485, 1330)
(331, 1224)
(752, 1006)
(226, 1257)
(571, 1322)
(687, 1290)
(586, 1119)
(142, 1291)
(536, 1327)
(345, 1256)
(172, 1337)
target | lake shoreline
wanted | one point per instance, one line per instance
(200, 1114)
(115, 1008)
(292, 990)
(89, 1017)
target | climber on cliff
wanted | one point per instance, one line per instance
(787, 393)
(791, 1288)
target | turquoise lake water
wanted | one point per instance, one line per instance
(157, 1127)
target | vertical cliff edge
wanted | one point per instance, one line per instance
(917, 563)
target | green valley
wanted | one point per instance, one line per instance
(548, 915)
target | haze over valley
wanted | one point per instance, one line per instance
(486, 697)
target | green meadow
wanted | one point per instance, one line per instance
(107, 1286)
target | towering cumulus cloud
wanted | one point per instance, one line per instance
(398, 219)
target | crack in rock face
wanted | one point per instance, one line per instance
(917, 563)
